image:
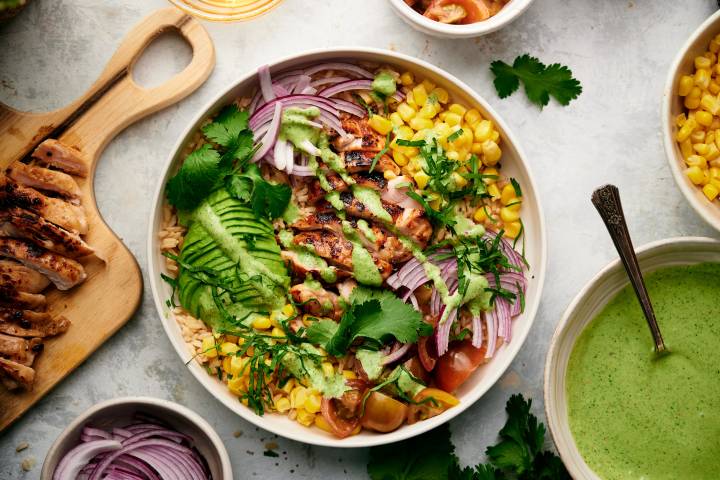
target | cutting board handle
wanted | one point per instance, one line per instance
(115, 100)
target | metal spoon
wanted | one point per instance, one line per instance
(607, 202)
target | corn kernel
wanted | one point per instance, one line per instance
(507, 194)
(710, 103)
(277, 332)
(427, 111)
(509, 215)
(228, 348)
(418, 123)
(491, 175)
(282, 405)
(453, 155)
(698, 136)
(702, 78)
(457, 108)
(298, 395)
(685, 131)
(711, 56)
(491, 153)
(349, 375)
(312, 403)
(428, 85)
(380, 124)
(289, 385)
(441, 94)
(209, 348)
(459, 180)
(476, 148)
(328, 369)
(389, 175)
(261, 322)
(406, 112)
(237, 385)
(704, 118)
(714, 87)
(472, 117)
(691, 103)
(702, 62)
(226, 364)
(400, 158)
(305, 418)
(453, 119)
(714, 46)
(685, 85)
(512, 229)
(420, 94)
(480, 215)
(711, 191)
(407, 78)
(483, 131)
(322, 424)
(696, 161)
(396, 119)
(696, 175)
(494, 191)
(701, 148)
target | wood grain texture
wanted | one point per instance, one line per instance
(113, 289)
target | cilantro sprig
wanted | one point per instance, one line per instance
(518, 455)
(374, 315)
(540, 81)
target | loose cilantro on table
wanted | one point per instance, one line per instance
(540, 81)
(374, 315)
(518, 455)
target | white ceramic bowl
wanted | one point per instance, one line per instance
(119, 412)
(588, 304)
(514, 164)
(423, 24)
(672, 106)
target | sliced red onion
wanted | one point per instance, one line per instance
(74, 461)
(414, 302)
(442, 332)
(303, 171)
(270, 137)
(307, 147)
(328, 81)
(348, 86)
(491, 327)
(397, 354)
(303, 82)
(266, 86)
(477, 331)
(339, 66)
(502, 309)
(280, 153)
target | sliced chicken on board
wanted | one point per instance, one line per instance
(26, 323)
(45, 179)
(64, 272)
(19, 349)
(337, 250)
(18, 276)
(18, 222)
(71, 217)
(58, 155)
(10, 297)
(317, 301)
(14, 375)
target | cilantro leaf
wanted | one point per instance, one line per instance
(425, 457)
(197, 176)
(321, 332)
(540, 81)
(267, 200)
(227, 125)
(480, 472)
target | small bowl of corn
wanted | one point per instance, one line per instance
(691, 120)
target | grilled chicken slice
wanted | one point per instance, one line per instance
(70, 217)
(361, 161)
(45, 179)
(360, 136)
(18, 276)
(346, 288)
(408, 221)
(10, 297)
(374, 180)
(64, 272)
(26, 323)
(384, 245)
(337, 250)
(14, 375)
(19, 349)
(18, 222)
(317, 301)
(300, 269)
(60, 156)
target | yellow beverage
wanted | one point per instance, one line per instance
(226, 10)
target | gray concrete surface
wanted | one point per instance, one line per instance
(619, 49)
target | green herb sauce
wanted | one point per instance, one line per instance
(364, 269)
(332, 386)
(307, 257)
(295, 125)
(635, 416)
(371, 362)
(371, 199)
(384, 84)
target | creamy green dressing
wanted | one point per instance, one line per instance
(307, 257)
(366, 230)
(372, 201)
(371, 362)
(364, 268)
(636, 416)
(332, 386)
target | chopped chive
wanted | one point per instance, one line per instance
(455, 135)
(516, 186)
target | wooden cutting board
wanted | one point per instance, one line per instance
(112, 292)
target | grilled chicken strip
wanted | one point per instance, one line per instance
(45, 179)
(64, 272)
(361, 161)
(18, 222)
(19, 349)
(26, 323)
(70, 217)
(10, 297)
(317, 301)
(294, 261)
(374, 180)
(360, 136)
(14, 375)
(384, 245)
(337, 250)
(408, 221)
(60, 156)
(18, 276)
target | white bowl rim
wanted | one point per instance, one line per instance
(508, 14)
(553, 422)
(406, 431)
(709, 212)
(194, 418)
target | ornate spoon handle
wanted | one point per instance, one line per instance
(607, 202)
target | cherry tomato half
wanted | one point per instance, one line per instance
(341, 427)
(383, 413)
(457, 364)
(426, 353)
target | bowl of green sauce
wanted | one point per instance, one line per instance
(615, 409)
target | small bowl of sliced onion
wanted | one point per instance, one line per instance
(137, 438)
